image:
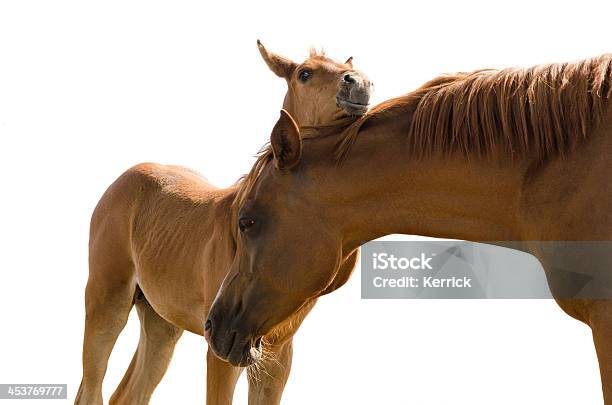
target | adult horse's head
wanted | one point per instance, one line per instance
(276, 270)
(320, 90)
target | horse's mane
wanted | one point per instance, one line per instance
(245, 183)
(538, 111)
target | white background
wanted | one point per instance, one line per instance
(89, 89)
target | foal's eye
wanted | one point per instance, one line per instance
(245, 223)
(304, 75)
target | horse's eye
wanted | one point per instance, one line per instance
(245, 223)
(304, 75)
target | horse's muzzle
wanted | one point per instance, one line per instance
(354, 93)
(234, 346)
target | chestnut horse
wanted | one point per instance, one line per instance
(162, 239)
(513, 155)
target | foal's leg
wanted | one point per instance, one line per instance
(267, 380)
(158, 338)
(601, 324)
(109, 297)
(221, 378)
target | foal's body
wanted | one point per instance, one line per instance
(162, 239)
(164, 233)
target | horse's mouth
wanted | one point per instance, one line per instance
(243, 355)
(256, 350)
(352, 107)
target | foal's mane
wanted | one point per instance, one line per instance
(538, 111)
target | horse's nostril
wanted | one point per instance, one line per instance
(208, 325)
(348, 78)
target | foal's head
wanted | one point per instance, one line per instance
(321, 90)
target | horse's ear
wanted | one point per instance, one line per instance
(286, 142)
(349, 62)
(280, 65)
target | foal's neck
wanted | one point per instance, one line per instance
(388, 191)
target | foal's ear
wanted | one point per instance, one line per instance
(286, 142)
(349, 62)
(280, 65)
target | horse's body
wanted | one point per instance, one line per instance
(517, 155)
(162, 238)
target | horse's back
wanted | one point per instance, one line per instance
(142, 199)
(148, 180)
(174, 180)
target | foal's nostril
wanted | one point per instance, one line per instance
(348, 78)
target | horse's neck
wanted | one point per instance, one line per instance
(446, 197)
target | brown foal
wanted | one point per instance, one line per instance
(163, 239)
(514, 155)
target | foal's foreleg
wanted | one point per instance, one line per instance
(601, 324)
(267, 379)
(158, 338)
(221, 378)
